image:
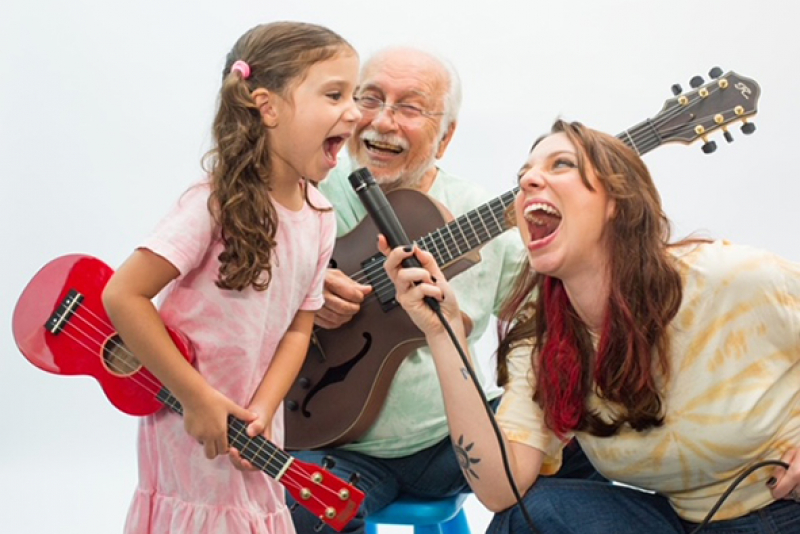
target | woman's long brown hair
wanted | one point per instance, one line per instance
(279, 55)
(645, 295)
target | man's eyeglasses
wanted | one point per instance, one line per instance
(407, 112)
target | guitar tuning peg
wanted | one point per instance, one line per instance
(709, 146)
(696, 82)
(354, 479)
(748, 127)
(727, 135)
(676, 89)
(291, 405)
(715, 72)
(328, 462)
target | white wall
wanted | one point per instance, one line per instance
(105, 109)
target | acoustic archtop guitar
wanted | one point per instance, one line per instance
(347, 372)
(60, 326)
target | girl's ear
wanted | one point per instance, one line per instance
(265, 101)
(611, 209)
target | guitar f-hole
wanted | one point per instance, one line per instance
(336, 374)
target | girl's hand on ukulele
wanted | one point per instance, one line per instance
(261, 425)
(206, 420)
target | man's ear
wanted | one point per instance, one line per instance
(265, 101)
(448, 135)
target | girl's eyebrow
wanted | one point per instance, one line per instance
(337, 81)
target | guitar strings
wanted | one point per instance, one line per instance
(648, 142)
(288, 476)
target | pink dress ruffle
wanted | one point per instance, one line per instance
(153, 513)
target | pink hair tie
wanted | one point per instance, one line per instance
(242, 67)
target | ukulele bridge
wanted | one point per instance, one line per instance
(56, 323)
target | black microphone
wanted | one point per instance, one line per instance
(382, 213)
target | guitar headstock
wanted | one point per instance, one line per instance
(728, 98)
(331, 499)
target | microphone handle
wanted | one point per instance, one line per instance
(386, 220)
(387, 223)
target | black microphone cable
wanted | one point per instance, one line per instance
(385, 219)
(503, 453)
(730, 489)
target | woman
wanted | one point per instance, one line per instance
(675, 366)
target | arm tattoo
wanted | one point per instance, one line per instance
(465, 373)
(464, 460)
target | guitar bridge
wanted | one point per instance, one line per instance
(56, 323)
(379, 280)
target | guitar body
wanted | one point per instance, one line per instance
(87, 344)
(60, 326)
(346, 376)
(347, 372)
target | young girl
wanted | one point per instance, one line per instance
(244, 254)
(675, 365)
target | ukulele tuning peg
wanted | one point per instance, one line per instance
(709, 146)
(676, 89)
(354, 479)
(319, 526)
(715, 72)
(748, 128)
(293, 507)
(328, 462)
(696, 82)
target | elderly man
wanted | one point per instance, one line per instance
(409, 100)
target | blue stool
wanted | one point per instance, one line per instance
(444, 516)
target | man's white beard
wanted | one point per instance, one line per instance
(410, 179)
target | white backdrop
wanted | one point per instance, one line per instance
(105, 109)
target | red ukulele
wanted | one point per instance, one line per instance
(60, 326)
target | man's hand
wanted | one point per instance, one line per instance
(343, 299)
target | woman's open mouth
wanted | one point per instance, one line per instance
(543, 219)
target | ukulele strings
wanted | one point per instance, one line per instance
(647, 142)
(150, 385)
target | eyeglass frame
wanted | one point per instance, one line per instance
(381, 105)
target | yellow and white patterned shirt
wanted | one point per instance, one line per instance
(731, 401)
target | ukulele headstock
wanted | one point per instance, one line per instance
(334, 501)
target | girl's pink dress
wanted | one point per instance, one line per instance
(234, 335)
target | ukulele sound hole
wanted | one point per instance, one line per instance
(118, 359)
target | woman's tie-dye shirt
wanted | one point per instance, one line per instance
(731, 401)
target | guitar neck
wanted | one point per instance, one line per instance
(469, 231)
(257, 450)
(482, 224)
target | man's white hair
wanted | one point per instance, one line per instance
(452, 101)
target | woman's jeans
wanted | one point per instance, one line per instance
(591, 505)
